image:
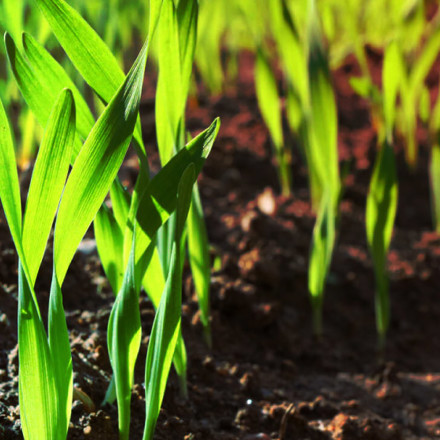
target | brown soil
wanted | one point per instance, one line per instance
(266, 376)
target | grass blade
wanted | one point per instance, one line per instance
(97, 165)
(89, 53)
(320, 257)
(120, 203)
(37, 385)
(380, 215)
(124, 339)
(110, 245)
(269, 104)
(48, 180)
(9, 186)
(41, 79)
(166, 326)
(59, 345)
(199, 259)
(159, 198)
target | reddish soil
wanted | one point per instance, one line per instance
(266, 376)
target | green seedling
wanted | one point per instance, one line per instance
(380, 215)
(320, 258)
(270, 108)
(177, 44)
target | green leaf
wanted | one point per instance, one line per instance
(170, 101)
(187, 14)
(9, 186)
(120, 203)
(392, 74)
(322, 149)
(59, 345)
(51, 73)
(110, 245)
(124, 339)
(177, 39)
(268, 99)
(199, 258)
(320, 256)
(48, 179)
(85, 48)
(270, 108)
(37, 382)
(380, 215)
(166, 326)
(158, 200)
(88, 52)
(154, 284)
(13, 11)
(41, 79)
(97, 165)
(434, 174)
(425, 61)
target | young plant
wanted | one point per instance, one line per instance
(166, 327)
(270, 108)
(45, 377)
(322, 157)
(157, 203)
(320, 258)
(88, 183)
(380, 214)
(177, 43)
(383, 192)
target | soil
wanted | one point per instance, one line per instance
(267, 376)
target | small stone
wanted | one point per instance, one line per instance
(266, 202)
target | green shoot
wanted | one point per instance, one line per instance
(269, 103)
(380, 214)
(166, 326)
(320, 258)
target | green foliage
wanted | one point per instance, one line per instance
(157, 203)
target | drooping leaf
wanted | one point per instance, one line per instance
(97, 165)
(88, 52)
(158, 200)
(41, 79)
